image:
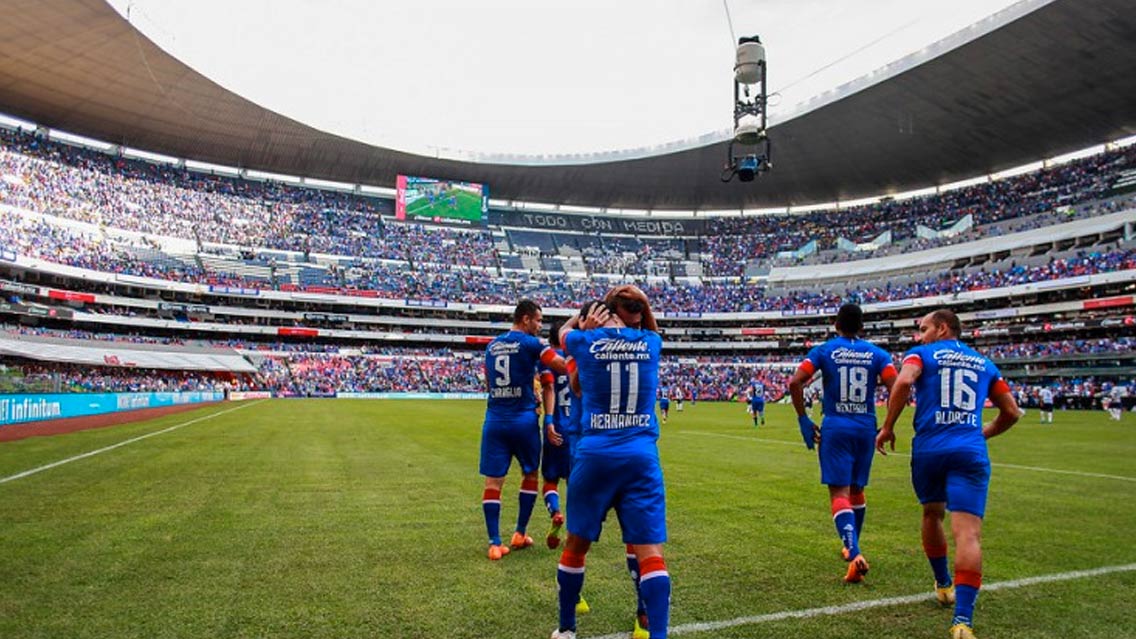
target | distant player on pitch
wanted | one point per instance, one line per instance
(851, 368)
(1046, 399)
(756, 407)
(950, 466)
(555, 458)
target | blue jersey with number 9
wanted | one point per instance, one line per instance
(510, 366)
(949, 396)
(619, 377)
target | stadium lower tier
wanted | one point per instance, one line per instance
(311, 374)
(317, 375)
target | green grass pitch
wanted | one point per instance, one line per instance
(468, 206)
(324, 518)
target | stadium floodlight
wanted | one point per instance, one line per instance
(749, 114)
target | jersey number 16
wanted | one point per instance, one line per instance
(954, 389)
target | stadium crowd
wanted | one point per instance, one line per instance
(22, 376)
(1029, 350)
(735, 240)
(312, 374)
(167, 200)
(37, 238)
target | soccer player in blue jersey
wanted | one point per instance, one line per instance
(850, 368)
(757, 402)
(664, 406)
(617, 462)
(510, 428)
(950, 467)
(555, 459)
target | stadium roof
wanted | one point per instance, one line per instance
(1059, 78)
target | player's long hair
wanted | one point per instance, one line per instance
(630, 298)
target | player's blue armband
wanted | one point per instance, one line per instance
(547, 421)
(808, 430)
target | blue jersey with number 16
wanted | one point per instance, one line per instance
(619, 376)
(949, 396)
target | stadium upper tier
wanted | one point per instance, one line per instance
(45, 238)
(164, 200)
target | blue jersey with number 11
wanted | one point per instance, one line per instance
(619, 376)
(949, 396)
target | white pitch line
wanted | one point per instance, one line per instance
(1039, 469)
(706, 626)
(122, 443)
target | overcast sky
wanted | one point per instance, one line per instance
(530, 76)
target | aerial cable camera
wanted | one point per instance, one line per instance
(748, 153)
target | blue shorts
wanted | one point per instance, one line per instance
(664, 404)
(631, 484)
(502, 440)
(960, 478)
(571, 440)
(846, 456)
(757, 407)
(555, 461)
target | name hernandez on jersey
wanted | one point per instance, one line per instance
(618, 371)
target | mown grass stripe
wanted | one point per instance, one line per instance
(40, 469)
(707, 626)
(1039, 469)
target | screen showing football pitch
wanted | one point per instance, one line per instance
(444, 201)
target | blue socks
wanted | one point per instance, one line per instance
(967, 584)
(551, 498)
(491, 507)
(845, 522)
(655, 587)
(937, 557)
(569, 583)
(633, 570)
(859, 509)
(526, 500)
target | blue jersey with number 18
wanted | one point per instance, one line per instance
(949, 396)
(851, 368)
(619, 377)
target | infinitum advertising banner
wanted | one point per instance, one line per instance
(20, 409)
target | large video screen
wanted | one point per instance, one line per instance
(446, 201)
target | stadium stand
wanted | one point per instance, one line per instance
(323, 291)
